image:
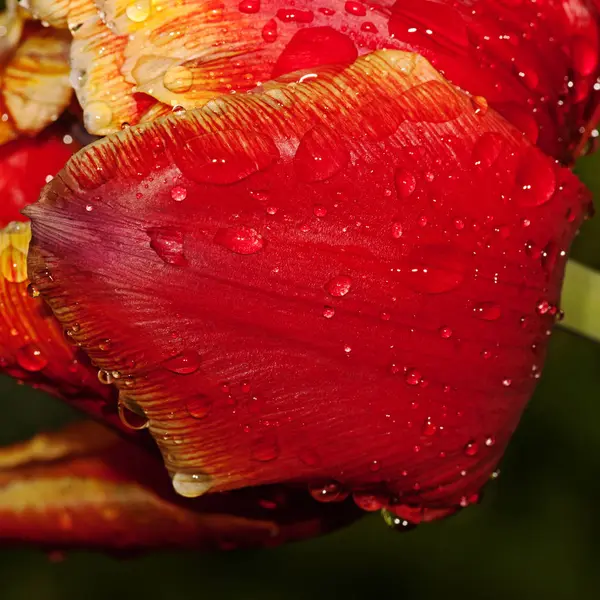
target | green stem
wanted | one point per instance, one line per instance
(581, 300)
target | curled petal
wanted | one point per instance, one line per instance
(85, 487)
(349, 278)
(34, 83)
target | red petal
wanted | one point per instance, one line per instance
(85, 487)
(380, 325)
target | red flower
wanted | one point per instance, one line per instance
(344, 279)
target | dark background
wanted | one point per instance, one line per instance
(535, 536)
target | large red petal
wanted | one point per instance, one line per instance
(85, 487)
(347, 279)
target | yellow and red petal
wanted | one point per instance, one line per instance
(34, 83)
(346, 281)
(11, 27)
(537, 66)
(85, 487)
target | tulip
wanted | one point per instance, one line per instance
(321, 247)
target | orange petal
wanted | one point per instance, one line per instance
(86, 487)
(35, 86)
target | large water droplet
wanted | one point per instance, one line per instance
(30, 357)
(320, 155)
(368, 502)
(413, 377)
(535, 179)
(191, 485)
(339, 286)
(327, 491)
(240, 239)
(487, 149)
(183, 364)
(355, 8)
(488, 311)
(199, 406)
(131, 414)
(178, 79)
(178, 193)
(269, 31)
(168, 245)
(249, 6)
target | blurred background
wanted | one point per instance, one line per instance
(535, 535)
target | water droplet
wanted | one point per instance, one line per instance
(327, 491)
(328, 312)
(105, 377)
(320, 155)
(490, 441)
(240, 239)
(367, 502)
(33, 291)
(131, 414)
(369, 27)
(397, 230)
(429, 428)
(338, 286)
(288, 15)
(249, 6)
(535, 180)
(543, 307)
(480, 104)
(396, 523)
(507, 382)
(178, 193)
(178, 79)
(97, 116)
(30, 357)
(319, 210)
(471, 448)
(269, 31)
(355, 8)
(191, 485)
(405, 183)
(183, 364)
(198, 406)
(384, 316)
(168, 245)
(265, 449)
(445, 332)
(487, 311)
(413, 377)
(487, 149)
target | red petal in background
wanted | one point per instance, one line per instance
(85, 487)
(377, 328)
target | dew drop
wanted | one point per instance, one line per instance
(338, 286)
(367, 502)
(507, 382)
(369, 27)
(168, 245)
(249, 6)
(198, 406)
(131, 414)
(471, 448)
(178, 193)
(445, 332)
(328, 312)
(319, 210)
(480, 104)
(487, 149)
(240, 239)
(355, 8)
(183, 364)
(105, 377)
(265, 449)
(429, 428)
(535, 180)
(191, 485)
(397, 230)
(30, 358)
(487, 311)
(405, 183)
(269, 31)
(490, 441)
(33, 291)
(395, 522)
(178, 79)
(413, 377)
(327, 491)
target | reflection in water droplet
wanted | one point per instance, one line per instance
(269, 31)
(327, 491)
(183, 364)
(535, 180)
(131, 414)
(105, 377)
(471, 448)
(339, 286)
(249, 6)
(367, 502)
(328, 312)
(191, 485)
(30, 357)
(240, 239)
(445, 332)
(413, 377)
